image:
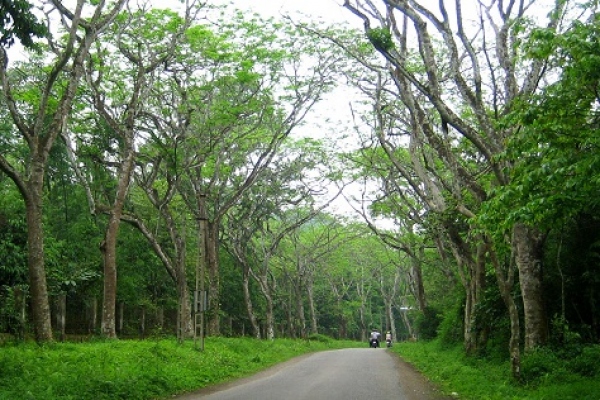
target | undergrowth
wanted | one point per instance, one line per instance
(545, 375)
(137, 370)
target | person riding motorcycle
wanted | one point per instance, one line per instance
(375, 337)
(388, 338)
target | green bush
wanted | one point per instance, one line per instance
(427, 323)
(317, 337)
(450, 330)
(476, 378)
(543, 365)
(588, 362)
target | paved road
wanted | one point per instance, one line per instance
(347, 374)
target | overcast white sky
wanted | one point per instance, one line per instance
(328, 10)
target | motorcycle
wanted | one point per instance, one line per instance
(374, 343)
(388, 342)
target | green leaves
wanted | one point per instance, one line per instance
(18, 21)
(381, 38)
(555, 159)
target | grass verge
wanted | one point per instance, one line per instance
(138, 370)
(481, 379)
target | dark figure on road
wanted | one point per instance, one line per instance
(375, 338)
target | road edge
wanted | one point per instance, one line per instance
(416, 385)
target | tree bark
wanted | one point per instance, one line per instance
(61, 315)
(214, 279)
(248, 301)
(314, 326)
(505, 279)
(527, 247)
(38, 289)
(300, 317)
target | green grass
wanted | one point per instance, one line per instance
(481, 379)
(137, 370)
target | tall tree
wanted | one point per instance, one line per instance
(50, 111)
(229, 139)
(450, 101)
(121, 74)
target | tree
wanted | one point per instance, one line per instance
(453, 116)
(142, 52)
(51, 109)
(229, 140)
(281, 201)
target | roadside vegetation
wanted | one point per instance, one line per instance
(139, 370)
(546, 374)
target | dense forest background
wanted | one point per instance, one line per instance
(158, 172)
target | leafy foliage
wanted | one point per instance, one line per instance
(18, 21)
(381, 38)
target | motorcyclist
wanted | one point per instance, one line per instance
(375, 336)
(388, 338)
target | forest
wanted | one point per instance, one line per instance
(167, 171)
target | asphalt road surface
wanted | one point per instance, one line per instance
(373, 374)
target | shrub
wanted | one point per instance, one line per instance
(317, 337)
(542, 364)
(427, 323)
(588, 362)
(450, 330)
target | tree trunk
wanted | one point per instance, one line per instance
(160, 317)
(407, 323)
(121, 317)
(248, 301)
(269, 323)
(214, 281)
(108, 249)
(142, 322)
(363, 323)
(314, 327)
(109, 245)
(391, 323)
(527, 249)
(290, 315)
(417, 279)
(38, 289)
(300, 317)
(61, 315)
(186, 327)
(93, 317)
(505, 283)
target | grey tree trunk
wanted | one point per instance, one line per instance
(314, 326)
(527, 249)
(214, 279)
(505, 279)
(248, 301)
(109, 245)
(61, 315)
(38, 289)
